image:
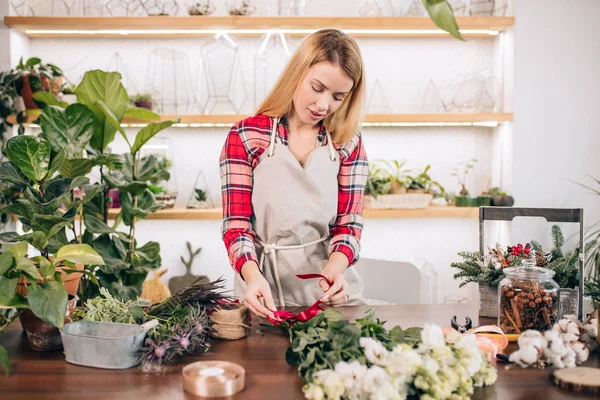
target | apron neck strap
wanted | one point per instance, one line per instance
(271, 149)
(332, 152)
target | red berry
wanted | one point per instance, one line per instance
(527, 250)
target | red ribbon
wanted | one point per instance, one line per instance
(310, 312)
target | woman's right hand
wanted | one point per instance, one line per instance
(257, 288)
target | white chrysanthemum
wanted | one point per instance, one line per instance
(351, 373)
(375, 378)
(332, 383)
(432, 336)
(375, 352)
(313, 392)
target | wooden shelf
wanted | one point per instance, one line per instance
(180, 213)
(171, 26)
(440, 119)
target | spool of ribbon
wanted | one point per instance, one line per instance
(213, 378)
(290, 317)
(490, 338)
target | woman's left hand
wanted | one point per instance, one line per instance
(335, 295)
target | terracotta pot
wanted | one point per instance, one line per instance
(27, 94)
(56, 84)
(397, 188)
(41, 335)
(70, 281)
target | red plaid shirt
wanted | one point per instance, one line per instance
(246, 141)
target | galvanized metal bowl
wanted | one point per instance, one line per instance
(104, 344)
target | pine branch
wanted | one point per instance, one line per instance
(558, 240)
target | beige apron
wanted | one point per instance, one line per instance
(294, 206)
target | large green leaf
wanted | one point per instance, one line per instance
(30, 154)
(6, 262)
(61, 187)
(146, 205)
(76, 167)
(8, 286)
(112, 161)
(79, 254)
(27, 266)
(148, 132)
(110, 254)
(442, 15)
(95, 225)
(19, 209)
(56, 163)
(18, 250)
(112, 119)
(141, 113)
(10, 172)
(48, 302)
(105, 86)
(44, 265)
(70, 129)
(36, 238)
(48, 99)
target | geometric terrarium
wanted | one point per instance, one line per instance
(378, 102)
(168, 74)
(158, 170)
(224, 76)
(269, 62)
(126, 8)
(474, 92)
(200, 197)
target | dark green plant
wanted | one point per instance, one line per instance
(200, 195)
(472, 269)
(423, 180)
(397, 171)
(141, 97)
(327, 339)
(379, 180)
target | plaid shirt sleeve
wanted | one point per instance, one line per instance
(352, 179)
(236, 195)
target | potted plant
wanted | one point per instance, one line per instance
(37, 76)
(143, 100)
(240, 7)
(398, 175)
(463, 199)
(205, 7)
(68, 91)
(499, 198)
(423, 183)
(45, 303)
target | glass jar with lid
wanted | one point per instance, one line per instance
(528, 298)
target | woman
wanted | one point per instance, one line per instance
(293, 179)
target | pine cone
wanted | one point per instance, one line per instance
(540, 259)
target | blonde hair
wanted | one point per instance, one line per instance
(325, 45)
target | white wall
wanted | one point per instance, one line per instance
(403, 66)
(556, 103)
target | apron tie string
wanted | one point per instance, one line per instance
(269, 249)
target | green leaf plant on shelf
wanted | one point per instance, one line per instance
(390, 185)
(74, 139)
(489, 271)
(338, 359)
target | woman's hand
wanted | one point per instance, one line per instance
(257, 288)
(335, 295)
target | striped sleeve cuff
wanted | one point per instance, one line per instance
(240, 251)
(347, 245)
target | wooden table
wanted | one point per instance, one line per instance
(47, 376)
